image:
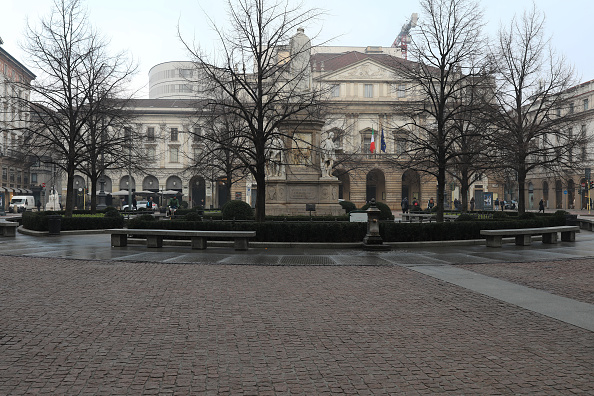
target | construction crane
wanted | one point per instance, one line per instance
(404, 37)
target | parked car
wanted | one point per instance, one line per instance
(512, 205)
(141, 205)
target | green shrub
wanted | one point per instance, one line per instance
(415, 209)
(385, 211)
(238, 210)
(348, 206)
(561, 213)
(500, 215)
(527, 216)
(465, 217)
(146, 217)
(110, 211)
(193, 216)
(38, 221)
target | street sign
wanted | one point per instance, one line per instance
(584, 184)
(565, 192)
(43, 185)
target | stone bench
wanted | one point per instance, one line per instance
(8, 228)
(585, 224)
(523, 236)
(154, 238)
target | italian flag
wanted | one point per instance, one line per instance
(372, 145)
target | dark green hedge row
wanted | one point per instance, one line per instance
(38, 221)
(353, 232)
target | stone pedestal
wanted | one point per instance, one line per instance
(301, 182)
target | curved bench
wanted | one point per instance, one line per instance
(8, 228)
(524, 235)
(154, 238)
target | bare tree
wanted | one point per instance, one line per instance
(77, 76)
(446, 50)
(533, 110)
(216, 154)
(263, 80)
(473, 154)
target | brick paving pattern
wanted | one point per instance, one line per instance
(568, 278)
(93, 327)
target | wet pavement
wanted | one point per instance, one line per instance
(80, 317)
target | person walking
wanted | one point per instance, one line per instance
(404, 205)
(541, 206)
(502, 204)
(471, 204)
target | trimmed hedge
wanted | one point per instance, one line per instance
(38, 221)
(238, 210)
(340, 231)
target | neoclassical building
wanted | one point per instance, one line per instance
(16, 176)
(367, 97)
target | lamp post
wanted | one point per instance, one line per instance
(373, 240)
(101, 204)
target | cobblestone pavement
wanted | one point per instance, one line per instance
(568, 278)
(114, 327)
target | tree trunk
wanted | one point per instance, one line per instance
(93, 180)
(441, 177)
(261, 197)
(70, 192)
(521, 197)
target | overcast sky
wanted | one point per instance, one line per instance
(148, 28)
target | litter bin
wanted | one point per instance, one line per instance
(54, 224)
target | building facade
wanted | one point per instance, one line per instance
(16, 177)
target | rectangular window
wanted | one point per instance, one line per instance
(401, 90)
(33, 177)
(174, 134)
(368, 90)
(335, 91)
(585, 104)
(150, 134)
(197, 134)
(4, 174)
(571, 108)
(151, 153)
(173, 154)
(196, 153)
(366, 145)
(400, 146)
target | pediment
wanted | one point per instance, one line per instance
(367, 70)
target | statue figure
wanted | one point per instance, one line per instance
(276, 155)
(328, 155)
(300, 46)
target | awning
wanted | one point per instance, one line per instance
(120, 193)
(26, 190)
(170, 192)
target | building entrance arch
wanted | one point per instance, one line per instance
(558, 194)
(411, 186)
(375, 186)
(570, 194)
(197, 191)
(344, 188)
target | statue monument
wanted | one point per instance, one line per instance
(295, 179)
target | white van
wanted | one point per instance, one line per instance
(21, 203)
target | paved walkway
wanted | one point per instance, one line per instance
(301, 321)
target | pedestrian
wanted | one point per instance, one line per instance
(149, 203)
(471, 204)
(430, 204)
(496, 206)
(134, 202)
(541, 206)
(38, 206)
(502, 204)
(404, 205)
